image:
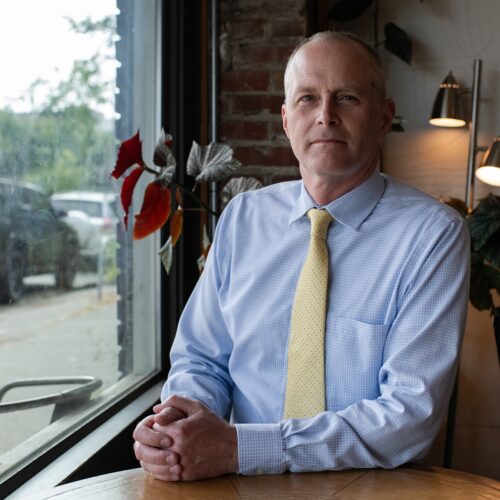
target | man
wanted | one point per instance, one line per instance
(396, 304)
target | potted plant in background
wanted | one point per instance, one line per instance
(211, 163)
(484, 227)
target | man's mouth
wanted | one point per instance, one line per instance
(327, 140)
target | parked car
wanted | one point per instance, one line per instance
(33, 239)
(93, 216)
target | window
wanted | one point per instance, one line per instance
(78, 300)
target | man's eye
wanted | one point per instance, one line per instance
(348, 99)
(306, 98)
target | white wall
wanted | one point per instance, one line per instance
(449, 35)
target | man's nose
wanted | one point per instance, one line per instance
(327, 114)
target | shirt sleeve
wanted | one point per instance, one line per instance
(202, 346)
(415, 379)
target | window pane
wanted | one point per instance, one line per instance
(69, 274)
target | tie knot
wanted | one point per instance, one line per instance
(320, 220)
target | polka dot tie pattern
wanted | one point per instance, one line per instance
(305, 391)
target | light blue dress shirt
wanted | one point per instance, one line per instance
(398, 287)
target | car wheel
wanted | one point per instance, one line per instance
(66, 269)
(16, 269)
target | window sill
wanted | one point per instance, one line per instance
(67, 463)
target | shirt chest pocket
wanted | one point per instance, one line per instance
(353, 357)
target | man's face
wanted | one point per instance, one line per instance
(335, 116)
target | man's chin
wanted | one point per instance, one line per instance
(334, 168)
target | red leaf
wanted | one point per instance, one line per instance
(176, 225)
(128, 189)
(154, 212)
(129, 153)
(178, 196)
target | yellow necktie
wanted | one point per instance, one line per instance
(305, 390)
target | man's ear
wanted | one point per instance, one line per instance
(284, 119)
(387, 116)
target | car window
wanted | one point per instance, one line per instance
(112, 209)
(91, 208)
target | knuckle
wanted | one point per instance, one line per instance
(145, 422)
(172, 399)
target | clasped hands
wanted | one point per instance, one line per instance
(184, 440)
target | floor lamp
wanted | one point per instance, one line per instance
(448, 111)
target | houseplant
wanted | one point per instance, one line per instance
(211, 163)
(484, 227)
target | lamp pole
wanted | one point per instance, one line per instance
(473, 147)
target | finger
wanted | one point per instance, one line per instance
(187, 406)
(163, 472)
(150, 455)
(168, 415)
(146, 422)
(166, 430)
(151, 437)
(159, 407)
(173, 458)
(170, 478)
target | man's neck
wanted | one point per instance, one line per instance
(324, 190)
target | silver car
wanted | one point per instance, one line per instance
(93, 215)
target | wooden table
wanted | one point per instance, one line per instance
(409, 482)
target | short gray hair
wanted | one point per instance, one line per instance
(342, 36)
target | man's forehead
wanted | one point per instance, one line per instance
(316, 76)
(339, 63)
(301, 85)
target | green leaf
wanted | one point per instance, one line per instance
(484, 227)
(479, 294)
(347, 10)
(398, 42)
(491, 250)
(493, 277)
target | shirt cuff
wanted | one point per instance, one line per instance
(260, 449)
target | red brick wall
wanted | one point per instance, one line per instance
(256, 38)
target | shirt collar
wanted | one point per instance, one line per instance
(351, 209)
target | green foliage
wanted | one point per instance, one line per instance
(484, 225)
(484, 228)
(63, 143)
(105, 25)
(56, 150)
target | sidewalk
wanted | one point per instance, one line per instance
(54, 333)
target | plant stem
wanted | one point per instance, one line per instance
(149, 169)
(195, 198)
